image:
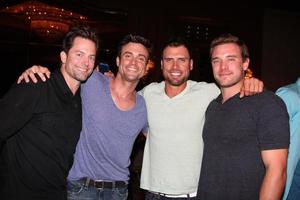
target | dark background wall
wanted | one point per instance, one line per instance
(271, 33)
(281, 40)
(199, 23)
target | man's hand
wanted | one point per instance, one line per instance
(251, 87)
(109, 74)
(29, 74)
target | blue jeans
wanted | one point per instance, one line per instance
(294, 193)
(77, 190)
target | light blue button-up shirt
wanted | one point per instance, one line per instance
(291, 96)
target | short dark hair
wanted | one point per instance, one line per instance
(176, 41)
(229, 38)
(135, 39)
(83, 31)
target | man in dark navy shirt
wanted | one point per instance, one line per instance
(245, 140)
(41, 123)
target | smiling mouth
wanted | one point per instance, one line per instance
(224, 75)
(175, 73)
(82, 69)
(131, 69)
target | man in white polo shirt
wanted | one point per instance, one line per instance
(176, 113)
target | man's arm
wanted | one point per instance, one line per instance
(275, 162)
(17, 108)
(29, 73)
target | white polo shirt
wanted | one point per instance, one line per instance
(174, 146)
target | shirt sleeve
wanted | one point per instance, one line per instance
(17, 107)
(273, 123)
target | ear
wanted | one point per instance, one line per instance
(118, 61)
(191, 64)
(161, 64)
(63, 57)
(246, 64)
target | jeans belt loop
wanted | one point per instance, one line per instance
(87, 182)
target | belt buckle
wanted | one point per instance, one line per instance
(99, 184)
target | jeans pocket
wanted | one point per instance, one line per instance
(75, 187)
(120, 193)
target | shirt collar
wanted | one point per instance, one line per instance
(62, 84)
(220, 98)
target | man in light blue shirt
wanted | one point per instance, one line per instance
(291, 96)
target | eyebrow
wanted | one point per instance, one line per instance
(80, 51)
(214, 58)
(228, 56)
(129, 52)
(232, 56)
(177, 58)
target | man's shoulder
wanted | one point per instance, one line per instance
(289, 91)
(204, 89)
(266, 100)
(96, 76)
(95, 80)
(34, 86)
(266, 95)
(155, 87)
(202, 85)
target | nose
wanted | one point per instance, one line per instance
(133, 61)
(86, 61)
(223, 65)
(175, 64)
(89, 61)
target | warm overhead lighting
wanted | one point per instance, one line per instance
(150, 66)
(48, 22)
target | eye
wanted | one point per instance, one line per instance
(182, 60)
(92, 58)
(78, 54)
(167, 60)
(127, 55)
(142, 59)
(214, 62)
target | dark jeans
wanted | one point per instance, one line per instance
(153, 196)
(294, 193)
(77, 190)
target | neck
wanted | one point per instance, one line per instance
(123, 93)
(228, 92)
(74, 88)
(122, 88)
(72, 83)
(172, 90)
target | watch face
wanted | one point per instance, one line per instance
(103, 67)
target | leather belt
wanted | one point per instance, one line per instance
(104, 184)
(194, 194)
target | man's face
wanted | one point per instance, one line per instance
(227, 64)
(176, 65)
(132, 62)
(79, 62)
